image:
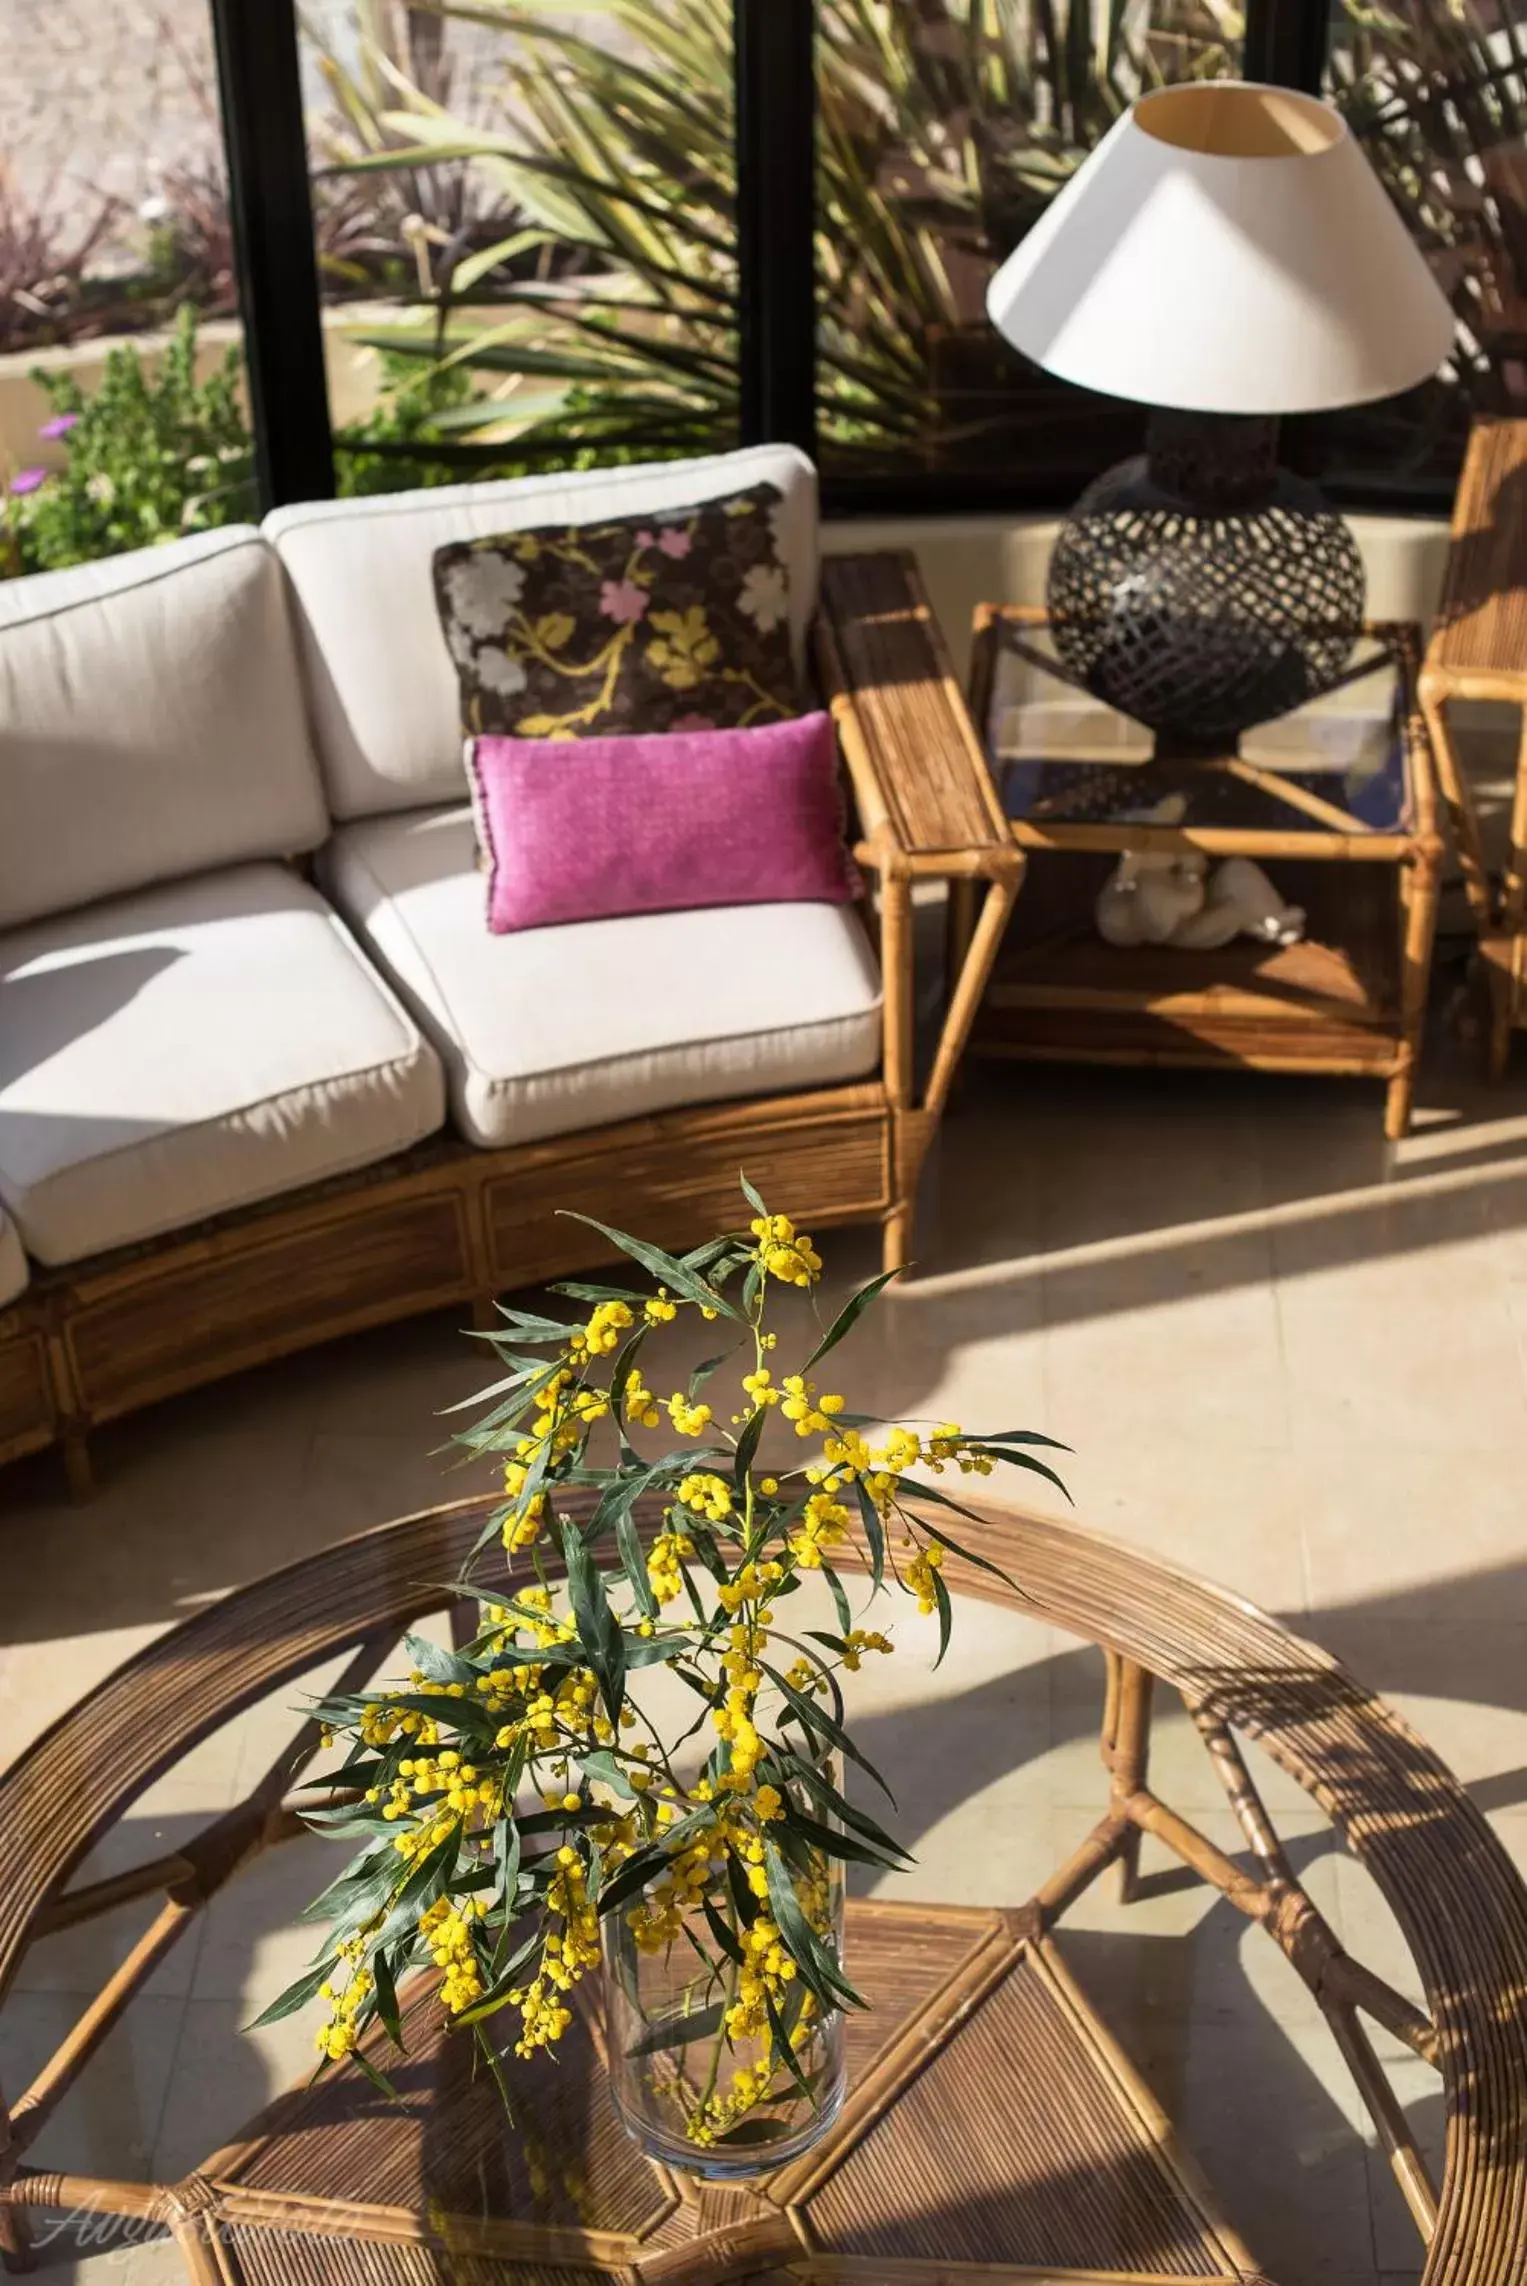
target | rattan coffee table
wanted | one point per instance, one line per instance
(993, 2131)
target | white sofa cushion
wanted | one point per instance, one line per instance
(385, 701)
(13, 1262)
(190, 1049)
(554, 1030)
(152, 723)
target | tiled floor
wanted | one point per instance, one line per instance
(1283, 1355)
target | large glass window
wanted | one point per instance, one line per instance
(525, 233)
(1437, 91)
(946, 126)
(122, 419)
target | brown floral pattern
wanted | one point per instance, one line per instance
(679, 620)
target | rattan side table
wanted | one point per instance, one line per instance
(947, 2165)
(1345, 816)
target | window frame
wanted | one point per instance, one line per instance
(1285, 42)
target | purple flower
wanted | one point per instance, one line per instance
(28, 479)
(59, 426)
(623, 601)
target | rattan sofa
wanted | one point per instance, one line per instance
(264, 1076)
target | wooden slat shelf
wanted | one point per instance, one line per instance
(1060, 992)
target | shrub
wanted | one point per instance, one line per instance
(152, 455)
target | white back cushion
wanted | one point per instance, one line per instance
(151, 723)
(383, 692)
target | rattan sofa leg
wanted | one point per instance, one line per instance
(79, 1469)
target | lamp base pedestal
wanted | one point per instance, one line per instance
(1200, 588)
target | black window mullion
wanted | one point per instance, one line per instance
(776, 220)
(260, 87)
(1285, 43)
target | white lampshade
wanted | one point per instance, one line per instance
(1226, 249)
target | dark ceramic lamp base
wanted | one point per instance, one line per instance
(1202, 589)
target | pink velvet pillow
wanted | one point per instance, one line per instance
(584, 830)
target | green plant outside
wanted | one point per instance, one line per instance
(152, 455)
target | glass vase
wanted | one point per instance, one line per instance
(696, 2035)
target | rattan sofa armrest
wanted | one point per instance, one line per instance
(927, 802)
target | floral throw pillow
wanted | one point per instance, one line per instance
(679, 620)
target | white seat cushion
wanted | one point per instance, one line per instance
(191, 1049)
(385, 704)
(553, 1030)
(13, 1262)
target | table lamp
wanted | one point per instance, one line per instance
(1224, 256)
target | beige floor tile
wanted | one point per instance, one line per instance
(1451, 1522)
(253, 1940)
(107, 2123)
(1191, 1344)
(79, 1960)
(224, 2072)
(1398, 1334)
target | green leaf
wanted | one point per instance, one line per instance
(680, 2031)
(646, 1863)
(436, 1665)
(840, 1600)
(874, 1533)
(387, 1998)
(1026, 1460)
(818, 1720)
(530, 1328)
(752, 1197)
(783, 2050)
(599, 1631)
(503, 1984)
(601, 1764)
(747, 1447)
(633, 1559)
(1019, 1437)
(707, 1367)
(724, 1936)
(849, 1316)
(637, 1871)
(666, 1268)
(922, 1492)
(578, 1291)
(823, 1791)
(368, 2070)
(619, 1375)
(831, 1843)
(823, 1976)
(945, 1617)
(297, 1995)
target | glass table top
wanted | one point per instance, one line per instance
(1063, 757)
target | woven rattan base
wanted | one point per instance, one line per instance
(991, 2124)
